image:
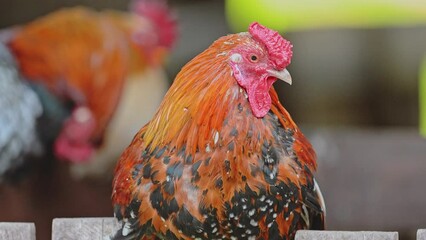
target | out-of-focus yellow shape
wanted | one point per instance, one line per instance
(422, 98)
(291, 15)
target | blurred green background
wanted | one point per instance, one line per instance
(363, 75)
(355, 93)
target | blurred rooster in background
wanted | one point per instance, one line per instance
(82, 70)
(222, 158)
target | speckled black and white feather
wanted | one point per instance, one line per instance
(20, 109)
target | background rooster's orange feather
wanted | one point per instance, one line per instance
(80, 55)
(87, 61)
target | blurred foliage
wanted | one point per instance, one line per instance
(422, 96)
(296, 15)
(290, 15)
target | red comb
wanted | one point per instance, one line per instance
(278, 48)
(161, 16)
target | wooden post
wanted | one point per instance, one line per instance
(346, 235)
(421, 234)
(83, 228)
(17, 231)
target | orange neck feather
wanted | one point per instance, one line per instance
(198, 100)
(197, 105)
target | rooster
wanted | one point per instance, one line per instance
(221, 158)
(77, 62)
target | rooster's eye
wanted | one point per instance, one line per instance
(253, 58)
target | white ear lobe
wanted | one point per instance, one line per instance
(236, 58)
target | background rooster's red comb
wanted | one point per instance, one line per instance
(278, 48)
(162, 16)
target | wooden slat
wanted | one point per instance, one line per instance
(17, 231)
(421, 234)
(345, 235)
(83, 228)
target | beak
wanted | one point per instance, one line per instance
(283, 75)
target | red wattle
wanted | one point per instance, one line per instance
(68, 151)
(260, 102)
